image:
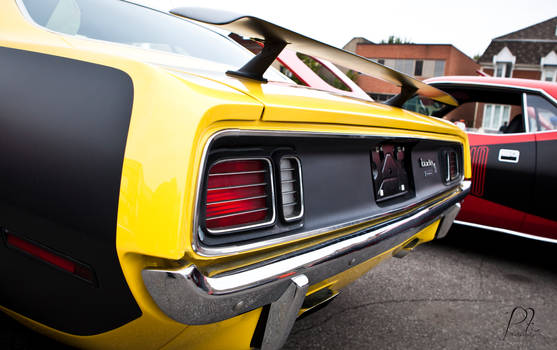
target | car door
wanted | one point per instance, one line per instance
(541, 219)
(502, 180)
(503, 154)
(502, 150)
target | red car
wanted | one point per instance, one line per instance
(512, 128)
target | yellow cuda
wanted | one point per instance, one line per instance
(155, 196)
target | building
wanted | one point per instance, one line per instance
(420, 60)
(528, 53)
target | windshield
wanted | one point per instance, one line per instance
(131, 24)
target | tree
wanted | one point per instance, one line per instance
(353, 75)
(396, 40)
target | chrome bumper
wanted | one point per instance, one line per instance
(188, 296)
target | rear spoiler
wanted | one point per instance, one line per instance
(276, 38)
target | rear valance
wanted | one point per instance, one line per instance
(276, 38)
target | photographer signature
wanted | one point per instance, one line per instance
(521, 323)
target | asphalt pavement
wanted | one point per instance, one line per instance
(474, 289)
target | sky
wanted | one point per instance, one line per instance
(468, 25)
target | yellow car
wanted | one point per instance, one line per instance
(162, 188)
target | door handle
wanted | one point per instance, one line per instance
(509, 155)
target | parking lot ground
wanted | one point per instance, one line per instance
(474, 289)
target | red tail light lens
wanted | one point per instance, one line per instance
(239, 195)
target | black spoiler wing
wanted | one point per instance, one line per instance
(276, 38)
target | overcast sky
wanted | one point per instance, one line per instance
(469, 25)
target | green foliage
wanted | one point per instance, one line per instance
(322, 72)
(396, 40)
(352, 75)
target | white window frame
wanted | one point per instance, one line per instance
(551, 73)
(493, 122)
(504, 66)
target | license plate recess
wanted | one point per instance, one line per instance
(389, 171)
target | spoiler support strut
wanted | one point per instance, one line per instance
(257, 66)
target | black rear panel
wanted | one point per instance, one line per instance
(64, 125)
(342, 178)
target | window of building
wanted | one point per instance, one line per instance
(503, 69)
(418, 67)
(405, 66)
(496, 116)
(439, 68)
(549, 74)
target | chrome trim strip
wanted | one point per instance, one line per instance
(511, 232)
(236, 200)
(239, 173)
(287, 181)
(283, 314)
(288, 192)
(300, 185)
(447, 221)
(236, 214)
(448, 179)
(525, 113)
(189, 296)
(244, 227)
(238, 186)
(202, 250)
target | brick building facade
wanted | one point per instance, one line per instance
(420, 60)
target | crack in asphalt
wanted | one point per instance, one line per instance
(480, 272)
(396, 301)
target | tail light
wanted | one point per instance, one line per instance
(453, 171)
(291, 194)
(239, 195)
(50, 257)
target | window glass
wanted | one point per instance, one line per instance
(503, 69)
(428, 68)
(405, 66)
(418, 68)
(496, 117)
(130, 24)
(290, 74)
(542, 112)
(549, 74)
(439, 68)
(323, 72)
(423, 105)
(500, 70)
